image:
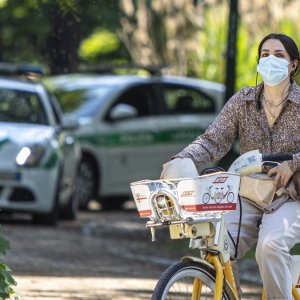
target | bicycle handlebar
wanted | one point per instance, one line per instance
(277, 157)
(250, 170)
(268, 161)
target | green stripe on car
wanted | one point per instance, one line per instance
(141, 138)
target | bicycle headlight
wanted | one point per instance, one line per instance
(165, 207)
(30, 155)
(161, 202)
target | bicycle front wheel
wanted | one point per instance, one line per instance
(180, 279)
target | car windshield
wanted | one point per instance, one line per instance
(82, 102)
(21, 107)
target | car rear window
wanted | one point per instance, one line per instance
(21, 107)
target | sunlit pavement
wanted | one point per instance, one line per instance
(92, 288)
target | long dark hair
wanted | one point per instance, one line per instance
(289, 45)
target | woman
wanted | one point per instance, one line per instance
(265, 117)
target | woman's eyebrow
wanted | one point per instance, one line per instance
(277, 50)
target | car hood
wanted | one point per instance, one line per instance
(14, 136)
(24, 133)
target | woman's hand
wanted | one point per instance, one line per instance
(179, 168)
(166, 166)
(282, 173)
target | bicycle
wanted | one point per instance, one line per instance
(178, 204)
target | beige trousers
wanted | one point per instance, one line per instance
(278, 233)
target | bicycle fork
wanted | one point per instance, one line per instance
(221, 270)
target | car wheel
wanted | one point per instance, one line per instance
(69, 210)
(112, 203)
(86, 183)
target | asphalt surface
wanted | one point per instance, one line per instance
(101, 255)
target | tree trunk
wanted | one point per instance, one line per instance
(231, 50)
(64, 42)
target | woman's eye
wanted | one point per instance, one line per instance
(265, 55)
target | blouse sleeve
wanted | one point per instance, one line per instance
(219, 136)
(295, 163)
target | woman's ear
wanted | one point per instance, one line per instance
(295, 64)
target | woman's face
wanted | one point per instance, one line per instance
(276, 48)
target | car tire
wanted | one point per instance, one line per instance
(86, 182)
(69, 211)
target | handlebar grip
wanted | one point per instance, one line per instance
(277, 157)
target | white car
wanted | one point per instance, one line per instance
(38, 154)
(130, 125)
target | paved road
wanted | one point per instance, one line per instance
(103, 255)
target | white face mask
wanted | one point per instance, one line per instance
(273, 70)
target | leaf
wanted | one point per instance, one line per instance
(6, 283)
(4, 245)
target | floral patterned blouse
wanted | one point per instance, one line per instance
(243, 116)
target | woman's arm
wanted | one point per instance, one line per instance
(219, 136)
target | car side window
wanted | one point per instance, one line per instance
(139, 97)
(184, 100)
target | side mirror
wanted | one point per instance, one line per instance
(123, 111)
(69, 124)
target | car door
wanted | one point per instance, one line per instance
(134, 154)
(186, 112)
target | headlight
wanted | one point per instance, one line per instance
(165, 207)
(30, 155)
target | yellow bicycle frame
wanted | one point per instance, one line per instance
(220, 272)
(225, 270)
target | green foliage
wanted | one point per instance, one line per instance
(212, 45)
(246, 59)
(7, 282)
(28, 26)
(2, 3)
(296, 250)
(68, 6)
(100, 43)
(4, 245)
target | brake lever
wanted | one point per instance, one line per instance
(268, 165)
